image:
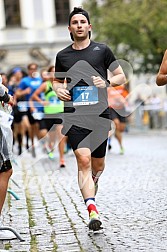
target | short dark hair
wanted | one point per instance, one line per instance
(32, 64)
(78, 10)
(50, 68)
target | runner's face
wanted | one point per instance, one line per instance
(32, 70)
(79, 27)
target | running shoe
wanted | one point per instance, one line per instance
(27, 146)
(51, 155)
(122, 151)
(94, 221)
(62, 163)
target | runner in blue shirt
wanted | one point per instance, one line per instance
(26, 88)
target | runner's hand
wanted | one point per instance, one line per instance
(32, 109)
(63, 94)
(27, 90)
(11, 100)
(45, 103)
(98, 82)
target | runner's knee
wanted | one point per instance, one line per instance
(84, 162)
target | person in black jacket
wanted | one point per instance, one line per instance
(5, 163)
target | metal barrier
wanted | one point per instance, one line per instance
(14, 231)
(13, 194)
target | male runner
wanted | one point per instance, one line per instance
(84, 64)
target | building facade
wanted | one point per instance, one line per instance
(33, 30)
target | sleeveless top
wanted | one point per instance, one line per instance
(55, 105)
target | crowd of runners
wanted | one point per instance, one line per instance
(35, 106)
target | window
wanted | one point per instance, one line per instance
(62, 11)
(12, 12)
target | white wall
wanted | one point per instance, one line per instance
(2, 15)
(75, 3)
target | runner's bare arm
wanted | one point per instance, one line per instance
(60, 89)
(162, 74)
(117, 77)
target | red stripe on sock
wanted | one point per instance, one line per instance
(92, 207)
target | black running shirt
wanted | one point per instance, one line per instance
(78, 66)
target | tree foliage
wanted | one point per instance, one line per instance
(136, 30)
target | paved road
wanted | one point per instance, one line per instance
(51, 216)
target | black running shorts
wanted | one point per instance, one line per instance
(95, 139)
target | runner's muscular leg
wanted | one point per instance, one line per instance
(4, 179)
(98, 165)
(85, 180)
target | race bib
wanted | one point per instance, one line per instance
(85, 95)
(22, 106)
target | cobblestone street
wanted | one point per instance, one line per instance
(51, 215)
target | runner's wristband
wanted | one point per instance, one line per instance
(5, 97)
(108, 83)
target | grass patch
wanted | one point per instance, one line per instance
(7, 246)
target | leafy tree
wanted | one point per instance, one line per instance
(136, 30)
